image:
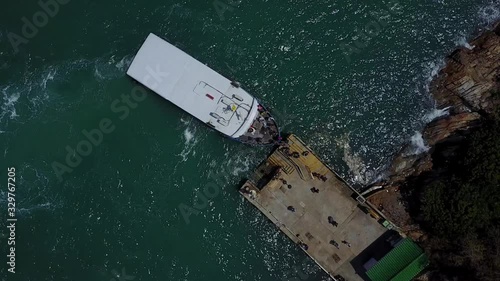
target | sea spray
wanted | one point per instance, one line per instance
(462, 42)
(356, 165)
(124, 63)
(49, 77)
(418, 144)
(8, 107)
(436, 113)
(489, 13)
(189, 143)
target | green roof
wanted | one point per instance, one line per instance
(401, 264)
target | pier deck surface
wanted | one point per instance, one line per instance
(309, 223)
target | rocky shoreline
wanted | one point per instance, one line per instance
(464, 92)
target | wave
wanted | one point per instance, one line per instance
(37, 207)
(36, 89)
(462, 42)
(111, 68)
(431, 70)
(418, 143)
(190, 142)
(124, 63)
(49, 77)
(436, 113)
(241, 161)
(8, 107)
(357, 167)
(490, 13)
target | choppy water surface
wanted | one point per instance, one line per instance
(350, 78)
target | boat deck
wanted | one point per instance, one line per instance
(263, 130)
(282, 189)
(194, 87)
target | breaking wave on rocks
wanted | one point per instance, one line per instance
(435, 114)
(361, 173)
(462, 42)
(489, 13)
(418, 143)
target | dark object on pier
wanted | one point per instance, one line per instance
(332, 242)
(314, 190)
(332, 221)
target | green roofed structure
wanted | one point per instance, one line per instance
(402, 263)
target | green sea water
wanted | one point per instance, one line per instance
(349, 77)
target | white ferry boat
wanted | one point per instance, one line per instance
(210, 97)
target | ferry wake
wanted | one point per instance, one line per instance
(205, 94)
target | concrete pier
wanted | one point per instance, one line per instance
(315, 208)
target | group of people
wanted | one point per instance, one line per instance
(332, 222)
(320, 176)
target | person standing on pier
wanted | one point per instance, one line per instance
(347, 243)
(332, 221)
(334, 243)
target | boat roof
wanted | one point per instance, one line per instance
(193, 86)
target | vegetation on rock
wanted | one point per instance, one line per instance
(461, 209)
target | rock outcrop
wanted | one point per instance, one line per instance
(467, 88)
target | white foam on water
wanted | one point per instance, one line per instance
(284, 48)
(124, 63)
(490, 13)
(190, 142)
(185, 122)
(242, 161)
(432, 70)
(418, 143)
(8, 107)
(462, 42)
(109, 68)
(98, 74)
(361, 173)
(317, 19)
(37, 207)
(34, 88)
(3, 196)
(188, 135)
(49, 77)
(436, 113)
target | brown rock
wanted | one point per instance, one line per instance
(470, 77)
(467, 85)
(441, 129)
